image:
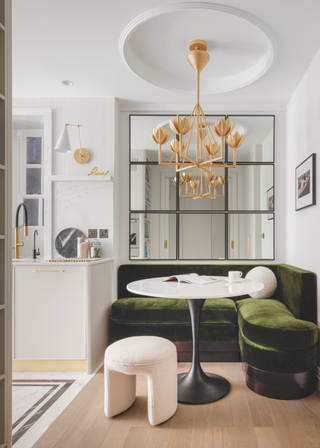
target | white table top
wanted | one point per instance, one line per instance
(156, 287)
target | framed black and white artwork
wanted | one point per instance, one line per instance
(305, 183)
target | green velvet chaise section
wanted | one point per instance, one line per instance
(275, 360)
(269, 323)
(297, 289)
(170, 318)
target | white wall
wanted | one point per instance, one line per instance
(77, 204)
(303, 118)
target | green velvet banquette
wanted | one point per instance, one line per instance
(276, 338)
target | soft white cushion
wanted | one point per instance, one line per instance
(265, 276)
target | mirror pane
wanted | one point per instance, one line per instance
(258, 144)
(202, 236)
(251, 237)
(152, 236)
(204, 203)
(143, 148)
(152, 187)
(249, 187)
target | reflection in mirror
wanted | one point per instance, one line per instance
(152, 187)
(202, 236)
(152, 236)
(251, 237)
(205, 203)
(248, 186)
(144, 149)
(259, 141)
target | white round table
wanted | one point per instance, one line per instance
(196, 386)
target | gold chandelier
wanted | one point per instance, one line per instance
(204, 182)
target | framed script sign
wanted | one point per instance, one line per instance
(305, 180)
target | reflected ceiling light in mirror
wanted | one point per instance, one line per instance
(203, 183)
(81, 155)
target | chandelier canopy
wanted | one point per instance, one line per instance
(203, 182)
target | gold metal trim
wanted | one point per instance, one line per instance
(49, 365)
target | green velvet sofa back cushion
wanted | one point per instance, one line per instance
(297, 289)
(131, 272)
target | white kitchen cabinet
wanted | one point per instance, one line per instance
(60, 315)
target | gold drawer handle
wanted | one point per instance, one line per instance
(48, 271)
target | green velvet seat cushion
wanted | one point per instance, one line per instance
(149, 310)
(268, 323)
(275, 360)
(175, 332)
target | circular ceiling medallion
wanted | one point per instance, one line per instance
(155, 45)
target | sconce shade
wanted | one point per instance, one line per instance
(63, 144)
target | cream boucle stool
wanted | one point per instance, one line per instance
(152, 356)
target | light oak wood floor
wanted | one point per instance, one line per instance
(242, 419)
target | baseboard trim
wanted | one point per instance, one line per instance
(49, 366)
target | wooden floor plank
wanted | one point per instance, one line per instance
(137, 438)
(223, 438)
(240, 406)
(97, 432)
(159, 436)
(51, 437)
(290, 437)
(180, 438)
(267, 438)
(242, 419)
(117, 434)
(260, 410)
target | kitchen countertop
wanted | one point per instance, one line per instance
(30, 262)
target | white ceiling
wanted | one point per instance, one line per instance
(54, 40)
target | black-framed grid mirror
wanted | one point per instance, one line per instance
(237, 225)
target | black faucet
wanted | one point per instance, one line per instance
(35, 253)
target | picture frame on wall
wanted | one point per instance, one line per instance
(305, 183)
(270, 203)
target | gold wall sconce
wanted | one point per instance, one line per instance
(81, 155)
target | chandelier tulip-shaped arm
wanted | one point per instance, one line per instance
(202, 182)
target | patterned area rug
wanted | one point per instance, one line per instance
(31, 399)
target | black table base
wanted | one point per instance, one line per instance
(196, 386)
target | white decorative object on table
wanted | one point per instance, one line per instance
(265, 276)
(152, 356)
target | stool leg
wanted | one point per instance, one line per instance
(162, 391)
(119, 390)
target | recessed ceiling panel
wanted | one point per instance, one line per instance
(155, 45)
